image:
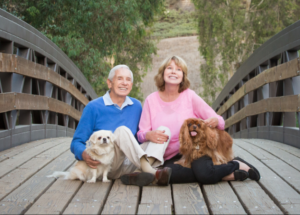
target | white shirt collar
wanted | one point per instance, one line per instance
(107, 101)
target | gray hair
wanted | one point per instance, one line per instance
(112, 72)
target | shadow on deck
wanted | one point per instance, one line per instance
(25, 189)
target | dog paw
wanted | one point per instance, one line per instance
(106, 180)
(91, 181)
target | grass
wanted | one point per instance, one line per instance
(175, 23)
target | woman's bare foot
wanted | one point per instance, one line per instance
(242, 166)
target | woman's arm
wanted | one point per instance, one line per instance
(145, 123)
(145, 133)
(204, 111)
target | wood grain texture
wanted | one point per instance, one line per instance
(287, 166)
(13, 63)
(254, 198)
(7, 102)
(285, 196)
(188, 199)
(274, 104)
(156, 200)
(155, 209)
(21, 148)
(122, 199)
(285, 156)
(280, 72)
(15, 161)
(56, 198)
(270, 143)
(23, 101)
(259, 153)
(222, 199)
(89, 199)
(15, 178)
(27, 193)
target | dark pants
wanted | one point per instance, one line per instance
(203, 171)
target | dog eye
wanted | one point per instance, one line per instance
(199, 125)
(189, 124)
(99, 138)
(107, 137)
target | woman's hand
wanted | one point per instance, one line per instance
(157, 136)
(212, 122)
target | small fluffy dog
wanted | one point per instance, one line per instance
(197, 139)
(100, 148)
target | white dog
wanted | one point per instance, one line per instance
(101, 148)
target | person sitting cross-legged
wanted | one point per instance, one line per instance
(119, 113)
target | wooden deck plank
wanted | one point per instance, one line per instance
(89, 199)
(279, 153)
(24, 147)
(155, 209)
(292, 150)
(56, 198)
(156, 200)
(281, 165)
(284, 196)
(254, 198)
(122, 199)
(15, 178)
(188, 199)
(21, 198)
(10, 164)
(222, 199)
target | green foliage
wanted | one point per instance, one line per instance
(229, 32)
(96, 33)
(175, 23)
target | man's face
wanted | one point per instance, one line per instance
(121, 84)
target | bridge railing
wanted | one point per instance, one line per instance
(42, 92)
(262, 99)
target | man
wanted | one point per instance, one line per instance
(119, 113)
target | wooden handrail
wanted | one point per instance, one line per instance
(273, 104)
(277, 73)
(13, 63)
(23, 101)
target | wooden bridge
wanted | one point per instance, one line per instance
(42, 95)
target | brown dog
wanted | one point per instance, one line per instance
(197, 139)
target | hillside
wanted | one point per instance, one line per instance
(185, 47)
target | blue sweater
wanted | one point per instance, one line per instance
(96, 116)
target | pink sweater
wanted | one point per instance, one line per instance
(157, 113)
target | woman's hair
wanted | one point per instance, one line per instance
(159, 78)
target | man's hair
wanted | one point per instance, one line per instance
(159, 78)
(112, 72)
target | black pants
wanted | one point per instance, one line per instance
(203, 171)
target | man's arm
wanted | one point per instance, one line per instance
(83, 131)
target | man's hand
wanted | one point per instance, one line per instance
(212, 122)
(157, 136)
(89, 161)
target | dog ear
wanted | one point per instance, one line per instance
(93, 138)
(185, 137)
(212, 138)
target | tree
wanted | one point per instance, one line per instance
(229, 32)
(96, 34)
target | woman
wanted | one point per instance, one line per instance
(170, 106)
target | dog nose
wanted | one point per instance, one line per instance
(104, 140)
(194, 126)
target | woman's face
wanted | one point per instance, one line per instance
(173, 74)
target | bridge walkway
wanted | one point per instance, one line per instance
(24, 187)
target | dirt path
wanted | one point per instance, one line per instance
(185, 47)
